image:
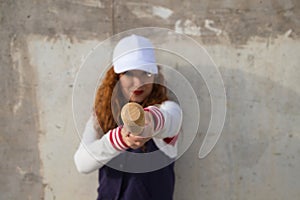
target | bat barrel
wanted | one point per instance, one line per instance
(133, 117)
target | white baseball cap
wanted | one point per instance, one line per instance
(134, 53)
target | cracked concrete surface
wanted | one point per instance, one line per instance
(255, 44)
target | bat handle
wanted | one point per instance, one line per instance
(133, 117)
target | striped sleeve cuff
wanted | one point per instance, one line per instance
(158, 117)
(115, 138)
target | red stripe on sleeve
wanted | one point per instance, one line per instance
(171, 140)
(116, 139)
(112, 140)
(157, 116)
(121, 138)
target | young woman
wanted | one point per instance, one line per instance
(106, 143)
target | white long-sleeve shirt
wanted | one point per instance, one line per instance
(93, 153)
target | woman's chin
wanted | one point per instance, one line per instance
(136, 99)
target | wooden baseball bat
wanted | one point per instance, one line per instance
(133, 117)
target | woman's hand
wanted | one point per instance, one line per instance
(134, 142)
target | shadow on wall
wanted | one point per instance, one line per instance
(260, 114)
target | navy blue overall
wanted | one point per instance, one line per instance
(155, 185)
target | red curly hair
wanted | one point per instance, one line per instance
(109, 99)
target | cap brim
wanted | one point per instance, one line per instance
(147, 67)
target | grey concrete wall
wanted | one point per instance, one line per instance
(255, 45)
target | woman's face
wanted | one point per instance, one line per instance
(136, 85)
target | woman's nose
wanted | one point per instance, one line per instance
(138, 81)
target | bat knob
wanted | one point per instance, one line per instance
(133, 117)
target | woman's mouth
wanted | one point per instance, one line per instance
(138, 92)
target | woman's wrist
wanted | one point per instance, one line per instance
(117, 140)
